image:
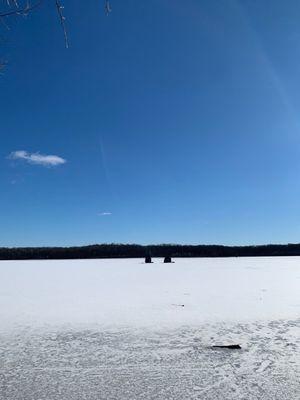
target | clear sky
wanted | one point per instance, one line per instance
(167, 121)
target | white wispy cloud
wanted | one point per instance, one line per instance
(102, 214)
(37, 158)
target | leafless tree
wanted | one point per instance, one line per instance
(12, 8)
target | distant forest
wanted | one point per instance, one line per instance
(139, 251)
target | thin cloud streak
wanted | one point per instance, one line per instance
(37, 158)
(104, 214)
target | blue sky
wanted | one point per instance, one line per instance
(174, 121)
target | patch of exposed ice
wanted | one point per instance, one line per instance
(96, 364)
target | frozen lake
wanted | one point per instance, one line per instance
(121, 329)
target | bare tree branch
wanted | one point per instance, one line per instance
(14, 9)
(20, 11)
(2, 21)
(62, 21)
(2, 65)
(14, 1)
(107, 8)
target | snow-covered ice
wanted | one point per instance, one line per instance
(116, 329)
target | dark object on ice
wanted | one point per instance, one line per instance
(148, 260)
(167, 260)
(178, 305)
(228, 346)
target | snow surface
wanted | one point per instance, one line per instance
(117, 329)
(126, 292)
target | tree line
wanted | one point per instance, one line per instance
(115, 250)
